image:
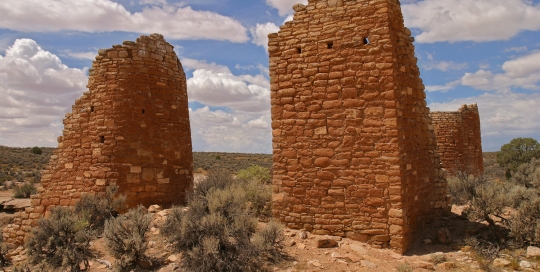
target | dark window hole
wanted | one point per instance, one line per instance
(142, 111)
(365, 41)
(102, 139)
(92, 109)
(299, 50)
(330, 45)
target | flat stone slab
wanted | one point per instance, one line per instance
(17, 204)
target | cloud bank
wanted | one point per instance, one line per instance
(465, 20)
(36, 90)
(173, 21)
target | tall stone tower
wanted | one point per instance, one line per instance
(353, 146)
(131, 127)
(459, 141)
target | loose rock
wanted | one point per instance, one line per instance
(326, 243)
(533, 251)
(499, 262)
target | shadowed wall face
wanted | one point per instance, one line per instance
(459, 141)
(131, 127)
(353, 146)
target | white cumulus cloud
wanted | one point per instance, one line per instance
(260, 33)
(466, 20)
(242, 121)
(37, 89)
(522, 72)
(444, 65)
(523, 66)
(173, 21)
(284, 7)
(230, 131)
(215, 85)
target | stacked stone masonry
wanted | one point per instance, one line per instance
(459, 141)
(131, 127)
(354, 150)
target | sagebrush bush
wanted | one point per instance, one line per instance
(462, 187)
(25, 190)
(260, 173)
(259, 197)
(100, 207)
(488, 200)
(218, 229)
(524, 222)
(61, 241)
(125, 237)
(528, 174)
(270, 239)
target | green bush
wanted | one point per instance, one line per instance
(61, 241)
(99, 208)
(37, 150)
(259, 197)
(518, 152)
(25, 190)
(255, 172)
(217, 231)
(528, 174)
(125, 237)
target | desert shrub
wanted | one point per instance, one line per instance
(25, 190)
(61, 241)
(125, 237)
(518, 152)
(462, 187)
(525, 221)
(528, 174)
(100, 207)
(255, 172)
(217, 231)
(216, 179)
(490, 199)
(259, 197)
(270, 239)
(36, 150)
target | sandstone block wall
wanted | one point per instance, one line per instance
(459, 141)
(131, 127)
(354, 150)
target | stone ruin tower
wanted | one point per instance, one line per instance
(459, 141)
(353, 146)
(131, 127)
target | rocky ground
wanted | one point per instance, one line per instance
(439, 247)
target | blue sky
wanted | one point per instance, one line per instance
(482, 51)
